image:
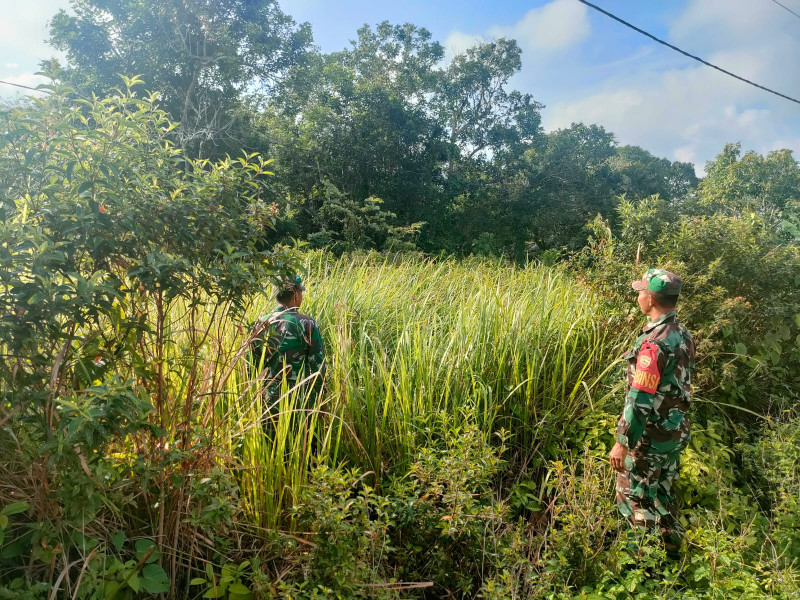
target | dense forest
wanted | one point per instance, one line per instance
(377, 146)
(470, 273)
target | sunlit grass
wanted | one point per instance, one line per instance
(408, 340)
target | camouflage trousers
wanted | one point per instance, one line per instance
(645, 494)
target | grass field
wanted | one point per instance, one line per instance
(459, 449)
(525, 350)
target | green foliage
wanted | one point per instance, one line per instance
(772, 462)
(342, 224)
(444, 513)
(107, 228)
(344, 557)
(230, 584)
(198, 55)
(739, 268)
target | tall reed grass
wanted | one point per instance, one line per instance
(409, 341)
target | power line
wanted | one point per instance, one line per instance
(786, 8)
(692, 56)
(25, 87)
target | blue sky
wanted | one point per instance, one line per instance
(581, 65)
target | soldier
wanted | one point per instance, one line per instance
(288, 345)
(654, 427)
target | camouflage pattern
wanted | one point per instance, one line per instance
(654, 425)
(659, 281)
(287, 283)
(288, 346)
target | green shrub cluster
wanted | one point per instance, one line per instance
(732, 244)
(460, 447)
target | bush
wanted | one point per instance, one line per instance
(739, 299)
(105, 230)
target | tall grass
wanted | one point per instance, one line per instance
(409, 341)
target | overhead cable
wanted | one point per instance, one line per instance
(786, 8)
(25, 87)
(692, 56)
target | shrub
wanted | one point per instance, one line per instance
(105, 230)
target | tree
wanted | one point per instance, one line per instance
(358, 119)
(201, 56)
(105, 224)
(768, 185)
(475, 108)
(641, 174)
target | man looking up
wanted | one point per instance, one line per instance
(288, 345)
(654, 427)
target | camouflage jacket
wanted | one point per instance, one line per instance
(288, 344)
(655, 419)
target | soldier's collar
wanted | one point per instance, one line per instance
(670, 316)
(284, 309)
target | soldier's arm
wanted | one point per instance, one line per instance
(641, 396)
(316, 351)
(638, 406)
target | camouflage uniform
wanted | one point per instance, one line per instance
(654, 425)
(288, 346)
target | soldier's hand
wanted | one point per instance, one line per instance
(617, 457)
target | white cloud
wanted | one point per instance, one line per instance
(554, 26)
(458, 42)
(689, 113)
(25, 29)
(551, 28)
(30, 80)
(23, 44)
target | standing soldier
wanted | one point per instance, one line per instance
(654, 427)
(288, 346)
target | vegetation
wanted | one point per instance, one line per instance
(455, 154)
(473, 324)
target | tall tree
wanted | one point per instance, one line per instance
(474, 105)
(200, 55)
(641, 174)
(768, 185)
(358, 119)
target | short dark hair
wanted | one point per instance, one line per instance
(284, 296)
(666, 300)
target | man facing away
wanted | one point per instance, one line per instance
(288, 346)
(654, 427)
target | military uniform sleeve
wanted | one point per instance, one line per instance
(316, 350)
(639, 401)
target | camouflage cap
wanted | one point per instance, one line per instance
(288, 284)
(659, 281)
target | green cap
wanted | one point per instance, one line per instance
(659, 281)
(288, 284)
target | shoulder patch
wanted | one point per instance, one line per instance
(646, 377)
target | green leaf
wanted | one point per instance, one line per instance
(110, 589)
(3, 522)
(741, 349)
(15, 508)
(142, 546)
(13, 550)
(197, 581)
(238, 588)
(154, 579)
(84, 187)
(118, 539)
